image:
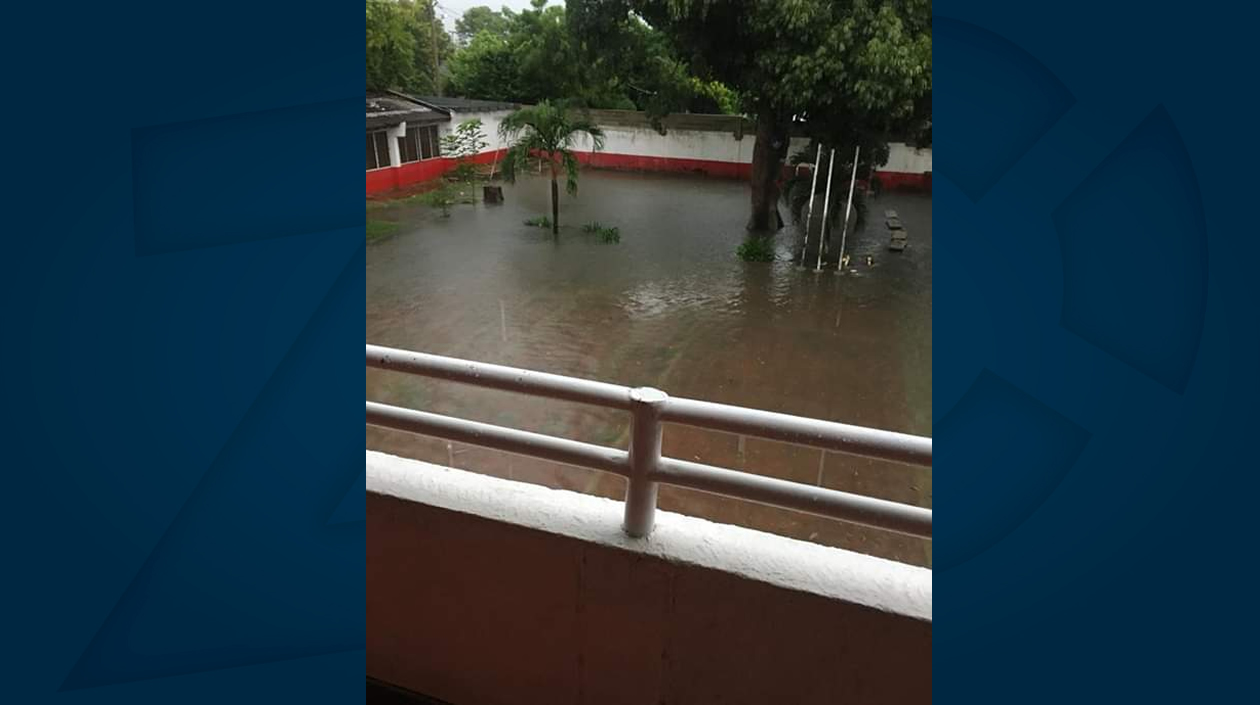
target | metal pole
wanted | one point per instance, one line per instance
(813, 186)
(509, 440)
(831, 165)
(800, 430)
(882, 513)
(844, 231)
(511, 379)
(433, 26)
(645, 458)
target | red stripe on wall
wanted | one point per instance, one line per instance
(394, 178)
(635, 162)
(383, 180)
(895, 180)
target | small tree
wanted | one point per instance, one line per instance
(465, 143)
(550, 131)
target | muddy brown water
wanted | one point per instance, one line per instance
(669, 307)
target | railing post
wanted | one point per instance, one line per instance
(645, 453)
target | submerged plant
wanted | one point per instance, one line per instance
(606, 233)
(443, 197)
(756, 249)
(541, 221)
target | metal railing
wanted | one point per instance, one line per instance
(643, 466)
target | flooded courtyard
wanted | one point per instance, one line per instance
(671, 307)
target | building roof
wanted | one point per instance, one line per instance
(467, 105)
(386, 108)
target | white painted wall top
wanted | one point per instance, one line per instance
(702, 145)
(787, 563)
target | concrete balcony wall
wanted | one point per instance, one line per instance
(485, 591)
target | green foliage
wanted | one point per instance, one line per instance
(852, 73)
(464, 143)
(550, 130)
(406, 43)
(713, 97)
(390, 46)
(486, 68)
(442, 197)
(541, 221)
(606, 233)
(554, 53)
(476, 20)
(804, 56)
(532, 59)
(756, 249)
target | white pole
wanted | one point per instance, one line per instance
(813, 186)
(844, 232)
(831, 165)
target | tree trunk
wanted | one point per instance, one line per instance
(555, 199)
(767, 167)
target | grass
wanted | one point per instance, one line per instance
(379, 229)
(756, 249)
(606, 233)
(451, 192)
(541, 221)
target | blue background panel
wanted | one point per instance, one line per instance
(1095, 352)
(185, 309)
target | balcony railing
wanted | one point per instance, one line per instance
(643, 466)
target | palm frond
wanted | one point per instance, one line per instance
(520, 120)
(585, 125)
(570, 172)
(516, 158)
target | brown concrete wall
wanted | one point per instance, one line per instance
(481, 612)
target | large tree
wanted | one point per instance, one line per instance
(550, 131)
(406, 46)
(476, 20)
(546, 53)
(531, 61)
(844, 68)
(486, 69)
(391, 47)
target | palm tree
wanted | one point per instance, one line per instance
(549, 130)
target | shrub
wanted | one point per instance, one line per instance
(756, 249)
(443, 198)
(465, 143)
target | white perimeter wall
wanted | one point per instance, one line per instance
(716, 146)
(904, 159)
(676, 144)
(489, 125)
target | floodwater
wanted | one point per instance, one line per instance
(671, 307)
